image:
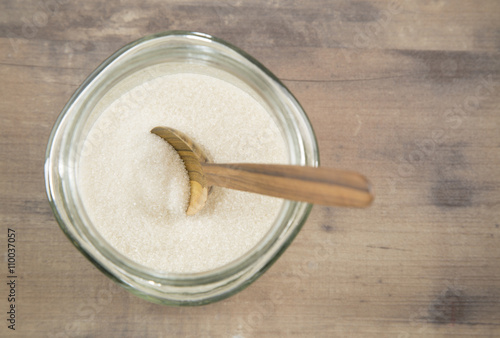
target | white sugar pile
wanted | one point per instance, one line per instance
(135, 188)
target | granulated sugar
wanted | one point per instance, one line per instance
(135, 188)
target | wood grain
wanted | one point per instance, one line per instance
(406, 92)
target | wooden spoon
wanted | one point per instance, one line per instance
(323, 186)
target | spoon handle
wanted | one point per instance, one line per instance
(323, 186)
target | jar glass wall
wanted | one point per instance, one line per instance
(154, 56)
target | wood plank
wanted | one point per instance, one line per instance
(407, 95)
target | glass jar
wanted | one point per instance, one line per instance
(157, 55)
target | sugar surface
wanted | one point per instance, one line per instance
(135, 188)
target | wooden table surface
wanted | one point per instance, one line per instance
(406, 92)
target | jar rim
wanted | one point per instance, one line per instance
(54, 187)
